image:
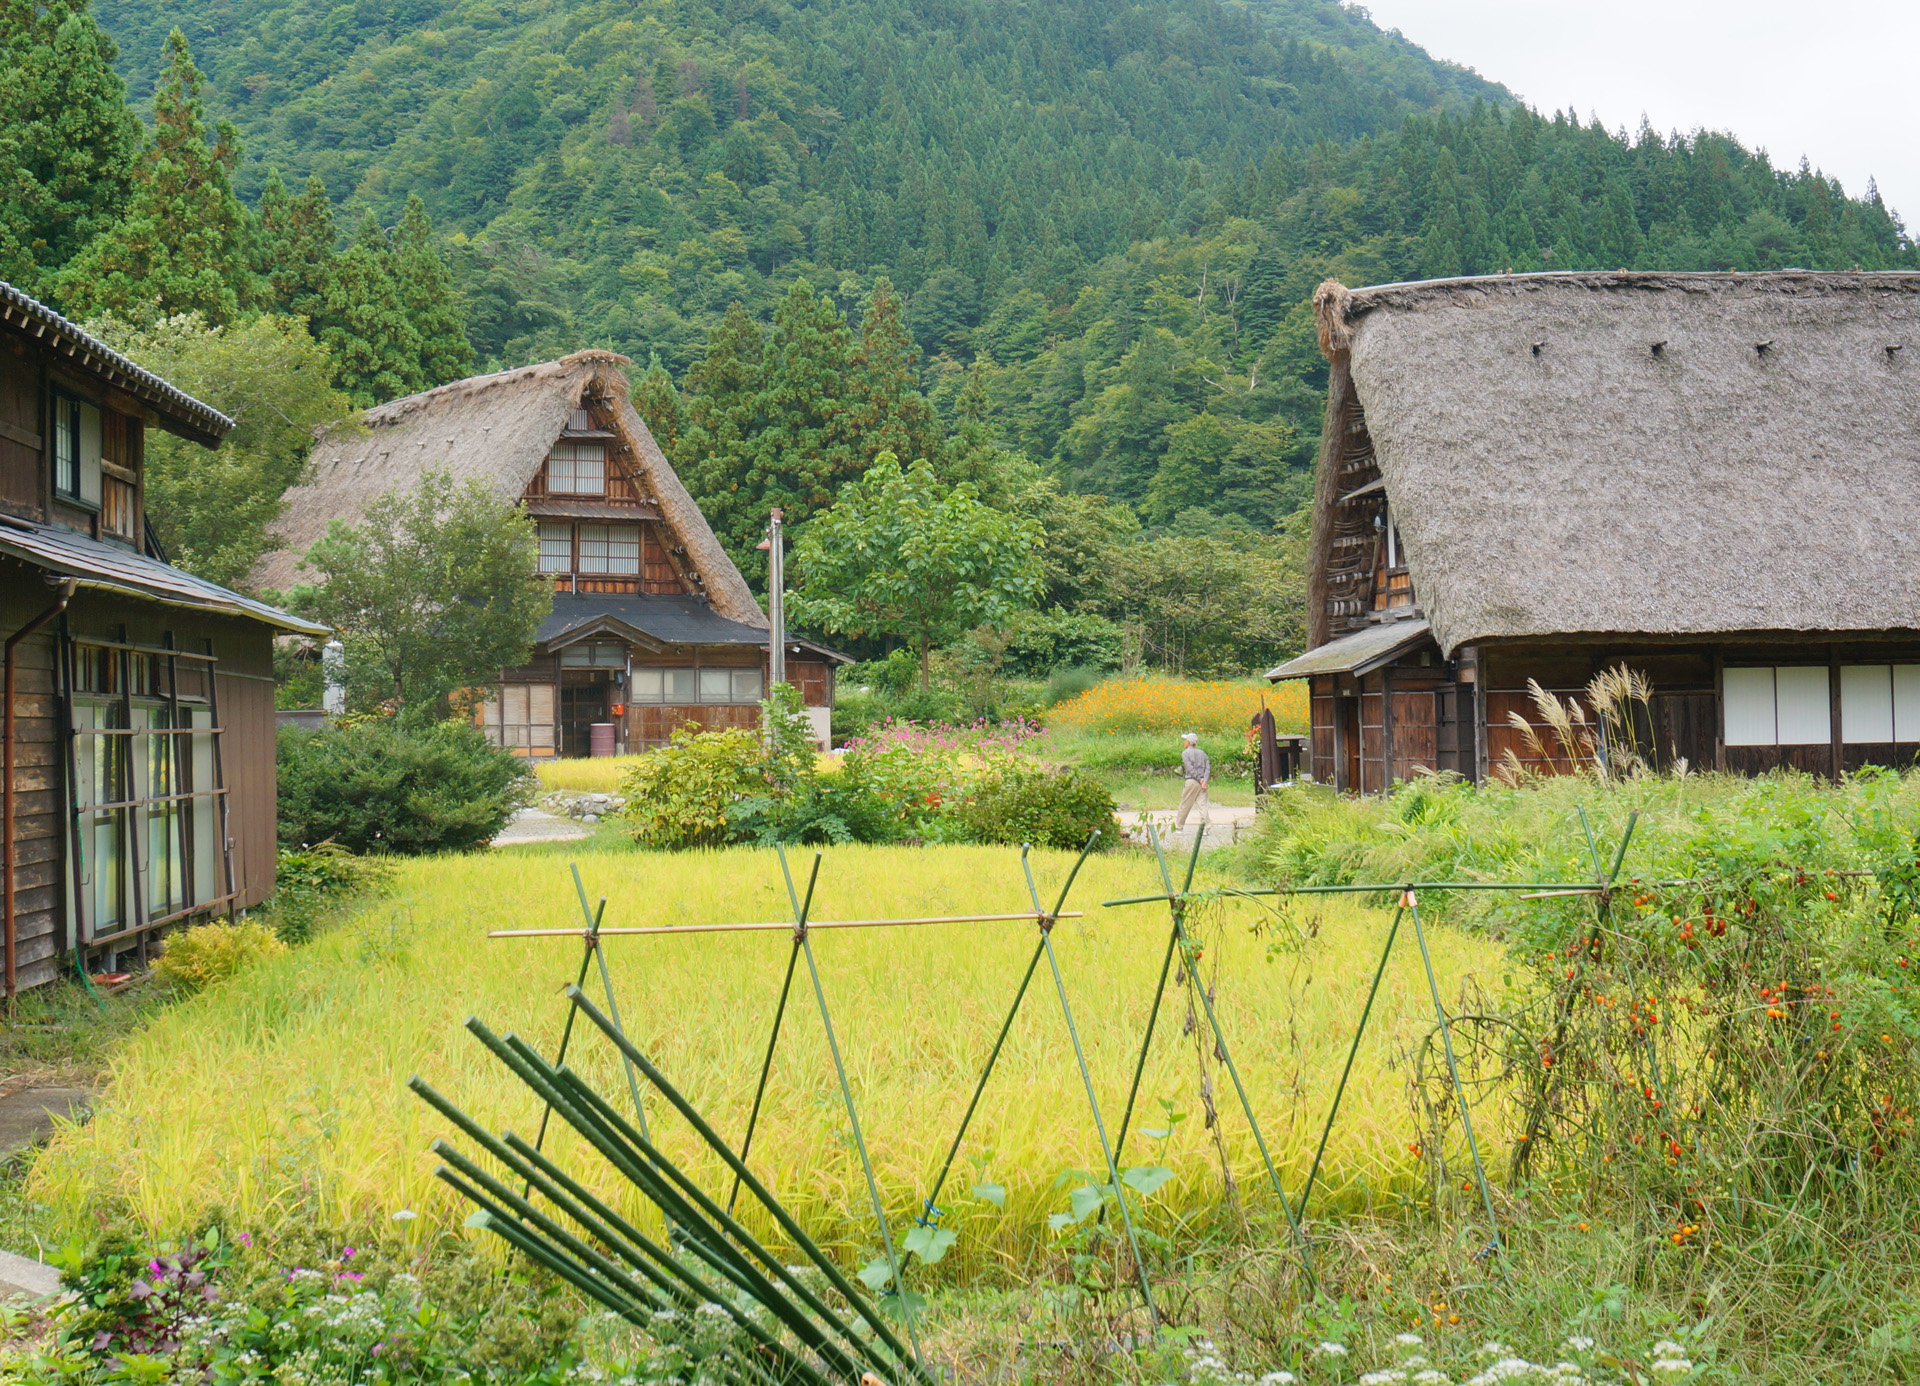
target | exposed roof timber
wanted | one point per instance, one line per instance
(178, 411)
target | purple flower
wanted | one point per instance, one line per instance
(243, 1238)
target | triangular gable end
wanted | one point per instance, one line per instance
(1358, 571)
(502, 429)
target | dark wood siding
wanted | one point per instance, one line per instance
(39, 782)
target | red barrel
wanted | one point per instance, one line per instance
(600, 739)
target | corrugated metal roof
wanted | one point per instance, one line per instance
(189, 417)
(671, 620)
(117, 569)
(1364, 648)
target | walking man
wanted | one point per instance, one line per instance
(1198, 770)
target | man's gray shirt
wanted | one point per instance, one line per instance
(1194, 761)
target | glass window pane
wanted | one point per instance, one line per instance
(66, 447)
(716, 685)
(610, 656)
(1866, 703)
(1804, 705)
(680, 686)
(746, 685)
(575, 656)
(645, 686)
(1748, 696)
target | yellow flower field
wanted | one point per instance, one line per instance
(1175, 705)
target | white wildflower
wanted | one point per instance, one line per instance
(1495, 1350)
(1430, 1378)
(1277, 1379)
(405, 1215)
(1386, 1378)
(1331, 1350)
(1416, 1360)
(1666, 1347)
(1408, 1339)
(1579, 1344)
(1672, 1366)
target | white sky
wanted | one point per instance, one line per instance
(1834, 80)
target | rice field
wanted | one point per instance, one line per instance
(584, 774)
(281, 1096)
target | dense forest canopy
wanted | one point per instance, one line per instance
(1092, 228)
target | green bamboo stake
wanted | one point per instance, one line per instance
(766, 1067)
(1226, 1053)
(606, 981)
(846, 1096)
(1086, 1076)
(1453, 1070)
(1366, 1012)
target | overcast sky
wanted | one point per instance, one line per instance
(1833, 80)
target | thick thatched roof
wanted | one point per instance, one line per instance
(1659, 454)
(498, 428)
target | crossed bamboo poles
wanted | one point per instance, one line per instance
(701, 1228)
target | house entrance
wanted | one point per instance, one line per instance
(584, 699)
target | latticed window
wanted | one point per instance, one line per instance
(577, 469)
(556, 548)
(610, 549)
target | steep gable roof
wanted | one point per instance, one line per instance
(1653, 454)
(499, 429)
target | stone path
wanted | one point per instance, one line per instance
(1224, 825)
(26, 1119)
(537, 825)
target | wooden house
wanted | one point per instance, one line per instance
(1709, 478)
(139, 782)
(652, 627)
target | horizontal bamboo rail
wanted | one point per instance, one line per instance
(787, 926)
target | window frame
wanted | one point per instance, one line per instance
(572, 461)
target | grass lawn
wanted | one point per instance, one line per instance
(282, 1096)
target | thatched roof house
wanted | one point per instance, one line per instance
(653, 625)
(1538, 476)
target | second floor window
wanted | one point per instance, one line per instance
(76, 449)
(610, 549)
(577, 469)
(556, 548)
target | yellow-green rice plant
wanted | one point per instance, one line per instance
(284, 1097)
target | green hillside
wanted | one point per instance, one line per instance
(1106, 218)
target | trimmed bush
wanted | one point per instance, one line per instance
(1016, 802)
(379, 786)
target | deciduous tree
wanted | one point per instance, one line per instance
(901, 554)
(436, 589)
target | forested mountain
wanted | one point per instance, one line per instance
(1095, 225)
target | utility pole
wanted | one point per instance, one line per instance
(776, 600)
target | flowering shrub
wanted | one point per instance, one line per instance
(980, 738)
(1177, 705)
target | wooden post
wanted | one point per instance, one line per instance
(1834, 729)
(1386, 726)
(1720, 708)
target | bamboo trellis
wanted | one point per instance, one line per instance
(711, 1250)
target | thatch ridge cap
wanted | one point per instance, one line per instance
(1353, 303)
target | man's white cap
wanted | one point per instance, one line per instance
(1189, 736)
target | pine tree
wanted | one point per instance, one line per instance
(658, 404)
(295, 249)
(182, 245)
(67, 140)
(884, 406)
(427, 296)
(376, 351)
